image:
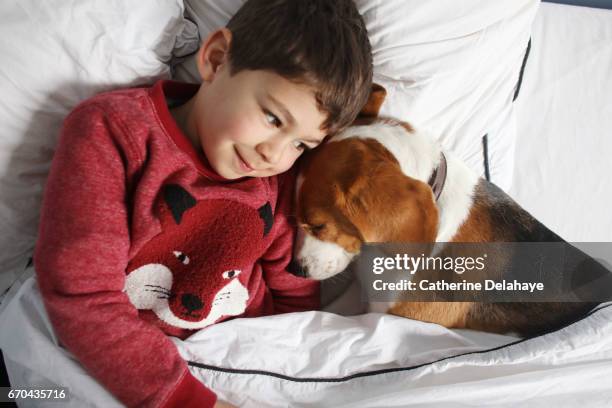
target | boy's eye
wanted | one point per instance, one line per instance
(301, 146)
(272, 119)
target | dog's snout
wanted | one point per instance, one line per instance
(297, 269)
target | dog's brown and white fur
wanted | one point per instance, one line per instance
(370, 184)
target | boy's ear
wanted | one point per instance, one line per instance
(213, 53)
(375, 101)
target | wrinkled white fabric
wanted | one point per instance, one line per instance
(430, 366)
(56, 53)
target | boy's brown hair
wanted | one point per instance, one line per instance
(321, 43)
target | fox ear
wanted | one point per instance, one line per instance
(375, 101)
(266, 215)
(179, 200)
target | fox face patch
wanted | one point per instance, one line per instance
(195, 272)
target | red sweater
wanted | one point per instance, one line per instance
(140, 238)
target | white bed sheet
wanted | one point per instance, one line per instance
(425, 364)
(563, 151)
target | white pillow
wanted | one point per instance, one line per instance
(55, 53)
(450, 66)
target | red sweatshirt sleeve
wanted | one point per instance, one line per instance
(80, 260)
(290, 293)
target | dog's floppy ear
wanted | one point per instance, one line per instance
(375, 184)
(375, 101)
(411, 214)
(418, 215)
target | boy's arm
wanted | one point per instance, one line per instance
(80, 260)
(290, 293)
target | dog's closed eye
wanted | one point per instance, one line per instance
(316, 228)
(313, 229)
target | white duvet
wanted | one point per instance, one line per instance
(319, 359)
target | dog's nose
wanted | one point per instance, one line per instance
(191, 302)
(296, 269)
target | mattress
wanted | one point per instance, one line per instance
(564, 123)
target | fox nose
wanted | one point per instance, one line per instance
(191, 302)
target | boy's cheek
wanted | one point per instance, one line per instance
(285, 165)
(292, 160)
(231, 126)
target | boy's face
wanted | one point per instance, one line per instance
(254, 123)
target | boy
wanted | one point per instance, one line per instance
(166, 207)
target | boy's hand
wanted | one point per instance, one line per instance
(221, 404)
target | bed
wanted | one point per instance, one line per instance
(534, 118)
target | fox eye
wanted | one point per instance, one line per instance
(231, 273)
(184, 259)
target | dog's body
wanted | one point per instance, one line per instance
(373, 183)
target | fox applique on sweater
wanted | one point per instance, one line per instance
(171, 279)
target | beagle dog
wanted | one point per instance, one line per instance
(381, 180)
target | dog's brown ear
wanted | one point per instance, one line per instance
(375, 101)
(375, 185)
(419, 217)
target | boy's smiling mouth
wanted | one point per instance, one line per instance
(243, 164)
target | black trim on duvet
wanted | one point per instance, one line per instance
(519, 83)
(520, 78)
(382, 371)
(485, 156)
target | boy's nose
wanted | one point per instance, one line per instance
(271, 150)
